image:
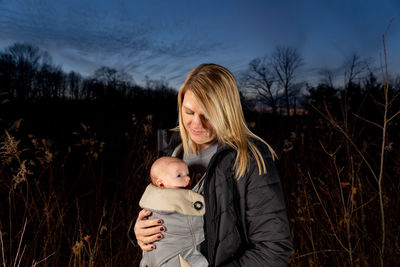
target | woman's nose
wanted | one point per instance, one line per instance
(197, 121)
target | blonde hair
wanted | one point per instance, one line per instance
(215, 89)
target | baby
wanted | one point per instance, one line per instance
(169, 198)
(170, 172)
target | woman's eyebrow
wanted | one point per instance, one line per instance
(186, 107)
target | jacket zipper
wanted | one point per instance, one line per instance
(210, 250)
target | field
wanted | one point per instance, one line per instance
(72, 172)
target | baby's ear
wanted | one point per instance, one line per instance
(159, 183)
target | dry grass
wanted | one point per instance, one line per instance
(73, 216)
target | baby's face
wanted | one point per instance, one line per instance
(176, 175)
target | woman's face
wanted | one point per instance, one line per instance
(195, 122)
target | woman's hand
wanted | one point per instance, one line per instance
(147, 231)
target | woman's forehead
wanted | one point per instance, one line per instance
(190, 101)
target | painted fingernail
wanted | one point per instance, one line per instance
(162, 228)
(159, 221)
(153, 247)
(159, 236)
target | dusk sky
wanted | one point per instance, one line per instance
(168, 38)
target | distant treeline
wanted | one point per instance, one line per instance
(31, 86)
(27, 73)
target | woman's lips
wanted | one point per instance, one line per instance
(197, 132)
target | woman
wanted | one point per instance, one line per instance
(245, 222)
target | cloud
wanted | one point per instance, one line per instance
(86, 35)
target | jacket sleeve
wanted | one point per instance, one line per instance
(266, 223)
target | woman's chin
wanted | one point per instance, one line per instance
(201, 140)
(198, 139)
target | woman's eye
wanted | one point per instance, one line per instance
(189, 113)
(179, 175)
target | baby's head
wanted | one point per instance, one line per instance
(170, 172)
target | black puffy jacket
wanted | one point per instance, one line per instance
(245, 222)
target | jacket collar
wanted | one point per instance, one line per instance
(182, 201)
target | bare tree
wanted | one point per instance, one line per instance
(260, 78)
(22, 52)
(111, 81)
(75, 85)
(49, 82)
(111, 76)
(25, 60)
(354, 66)
(327, 76)
(286, 61)
(154, 84)
(7, 72)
